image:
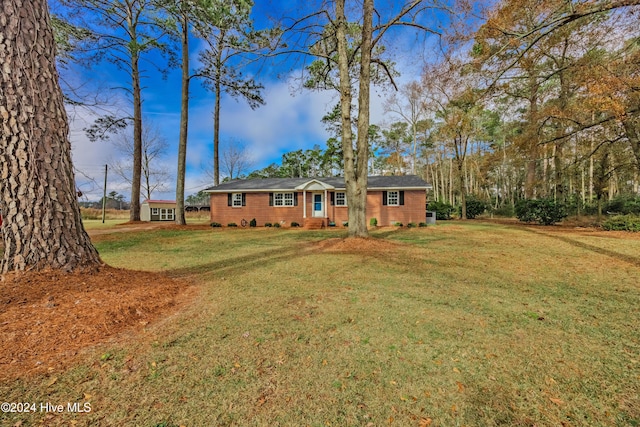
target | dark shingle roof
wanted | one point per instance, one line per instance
(266, 184)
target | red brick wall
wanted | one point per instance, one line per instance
(413, 210)
(257, 206)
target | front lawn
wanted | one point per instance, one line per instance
(459, 324)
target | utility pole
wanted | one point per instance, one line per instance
(104, 193)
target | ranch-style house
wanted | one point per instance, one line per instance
(316, 201)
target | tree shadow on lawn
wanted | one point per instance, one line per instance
(244, 263)
(592, 248)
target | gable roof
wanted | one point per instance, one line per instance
(290, 184)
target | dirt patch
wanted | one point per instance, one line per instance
(357, 245)
(47, 318)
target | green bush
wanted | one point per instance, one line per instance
(411, 225)
(506, 210)
(373, 222)
(542, 211)
(624, 205)
(232, 224)
(422, 224)
(345, 223)
(623, 223)
(253, 223)
(443, 210)
(398, 224)
(295, 224)
(267, 224)
(215, 224)
(276, 224)
(475, 207)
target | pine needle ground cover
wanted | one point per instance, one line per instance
(458, 324)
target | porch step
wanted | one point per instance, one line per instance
(314, 223)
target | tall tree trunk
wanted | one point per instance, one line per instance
(350, 178)
(216, 135)
(134, 214)
(532, 147)
(559, 185)
(184, 123)
(42, 226)
(216, 113)
(357, 218)
(632, 131)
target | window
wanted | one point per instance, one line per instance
(166, 214)
(283, 199)
(393, 198)
(288, 199)
(341, 199)
(236, 200)
(154, 211)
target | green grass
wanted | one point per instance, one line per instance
(463, 324)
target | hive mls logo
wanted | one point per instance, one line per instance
(78, 408)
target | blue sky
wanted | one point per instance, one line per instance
(290, 120)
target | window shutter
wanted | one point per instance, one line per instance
(295, 199)
(401, 197)
(333, 198)
(270, 199)
(229, 199)
(244, 199)
(384, 198)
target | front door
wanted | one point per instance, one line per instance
(317, 205)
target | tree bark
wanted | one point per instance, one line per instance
(350, 177)
(134, 213)
(184, 124)
(42, 227)
(216, 112)
(358, 217)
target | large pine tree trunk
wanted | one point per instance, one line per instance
(134, 213)
(42, 227)
(184, 125)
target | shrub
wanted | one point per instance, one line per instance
(373, 222)
(623, 205)
(411, 225)
(623, 223)
(295, 224)
(542, 211)
(442, 210)
(267, 224)
(505, 210)
(422, 224)
(397, 224)
(475, 207)
(253, 223)
(215, 224)
(232, 224)
(345, 223)
(276, 224)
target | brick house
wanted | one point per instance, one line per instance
(320, 201)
